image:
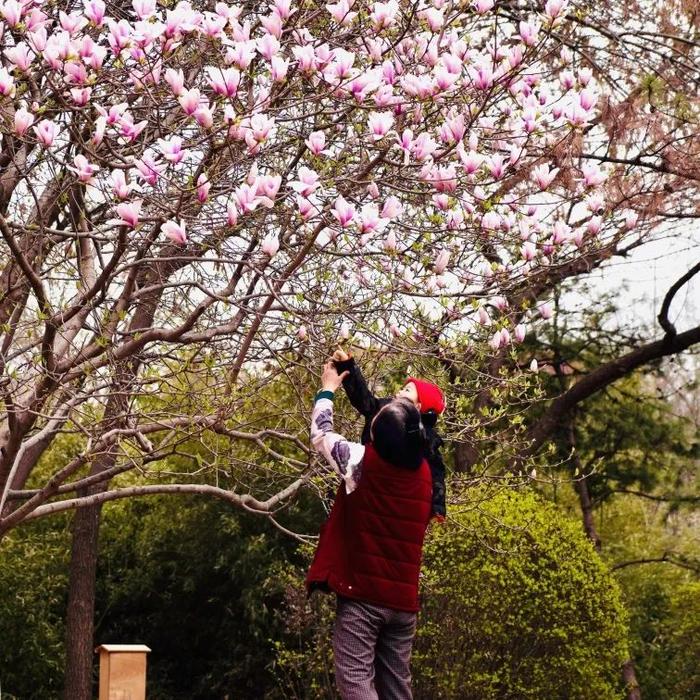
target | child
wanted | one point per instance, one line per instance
(427, 398)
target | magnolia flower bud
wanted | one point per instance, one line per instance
(270, 246)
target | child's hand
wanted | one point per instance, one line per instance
(330, 379)
(340, 355)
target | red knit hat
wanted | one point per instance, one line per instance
(429, 395)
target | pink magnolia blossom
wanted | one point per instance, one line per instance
(114, 114)
(284, 8)
(128, 213)
(278, 68)
(340, 12)
(543, 176)
(23, 120)
(483, 317)
(149, 169)
(172, 149)
(204, 115)
(441, 262)
(12, 11)
(83, 168)
(496, 341)
(528, 251)
(593, 225)
(592, 174)
(631, 218)
(441, 201)
(471, 161)
(144, 8)
(302, 333)
(307, 207)
(175, 231)
(119, 184)
(176, 81)
(528, 32)
(305, 57)
(554, 8)
(343, 211)
(423, 146)
(567, 79)
(189, 100)
(595, 202)
(129, 129)
(560, 232)
(20, 56)
(246, 198)
(444, 79)
(587, 99)
(453, 129)
(81, 96)
(373, 190)
(307, 183)
(231, 213)
(266, 189)
(390, 244)
(71, 23)
(268, 46)
(369, 218)
(95, 11)
(270, 246)
(482, 6)
(45, 131)
(203, 187)
(434, 18)
(316, 142)
(225, 82)
(379, 124)
(584, 76)
(119, 34)
(482, 76)
(520, 332)
(496, 166)
(545, 311)
(491, 221)
(384, 14)
(392, 208)
(272, 24)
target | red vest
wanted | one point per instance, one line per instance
(371, 545)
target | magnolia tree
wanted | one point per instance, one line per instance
(248, 179)
(195, 197)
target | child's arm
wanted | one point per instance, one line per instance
(344, 456)
(361, 398)
(437, 468)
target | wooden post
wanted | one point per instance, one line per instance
(122, 671)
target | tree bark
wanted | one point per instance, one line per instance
(632, 690)
(581, 486)
(81, 605)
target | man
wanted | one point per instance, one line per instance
(370, 548)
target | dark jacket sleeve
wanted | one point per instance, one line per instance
(361, 398)
(437, 466)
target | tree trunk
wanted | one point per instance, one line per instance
(81, 605)
(581, 487)
(584, 497)
(632, 691)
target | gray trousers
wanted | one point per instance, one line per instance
(372, 648)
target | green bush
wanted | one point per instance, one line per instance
(517, 604)
(33, 592)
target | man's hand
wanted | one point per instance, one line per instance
(330, 379)
(340, 355)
